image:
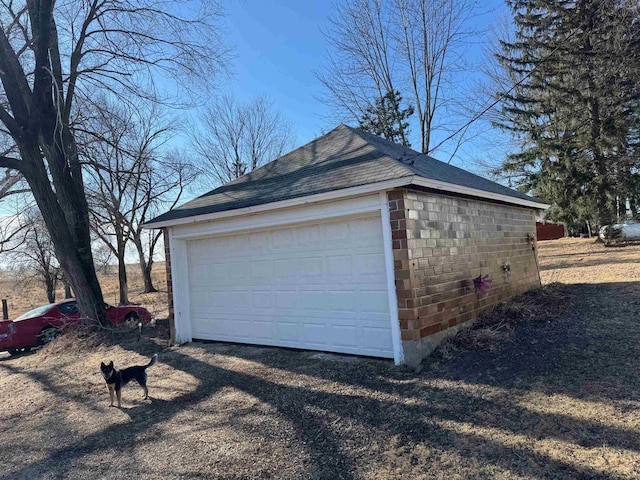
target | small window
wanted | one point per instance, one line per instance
(69, 308)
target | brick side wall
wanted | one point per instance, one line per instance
(440, 244)
(167, 257)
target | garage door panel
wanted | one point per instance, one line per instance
(262, 299)
(287, 299)
(309, 235)
(263, 329)
(320, 286)
(312, 299)
(370, 265)
(311, 268)
(374, 301)
(339, 265)
(283, 239)
(288, 331)
(374, 339)
(345, 335)
(316, 334)
(340, 301)
(338, 231)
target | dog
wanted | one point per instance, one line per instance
(116, 379)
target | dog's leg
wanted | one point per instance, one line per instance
(111, 394)
(146, 392)
(118, 392)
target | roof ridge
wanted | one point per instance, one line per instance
(363, 135)
(274, 161)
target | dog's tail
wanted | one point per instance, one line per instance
(153, 361)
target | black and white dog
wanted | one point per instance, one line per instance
(116, 379)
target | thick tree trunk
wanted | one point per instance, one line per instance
(40, 127)
(69, 232)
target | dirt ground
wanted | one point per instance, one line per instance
(559, 399)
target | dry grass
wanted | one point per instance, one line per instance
(579, 260)
(558, 400)
(23, 294)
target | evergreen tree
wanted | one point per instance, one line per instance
(387, 118)
(575, 65)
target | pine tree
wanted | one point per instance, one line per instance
(387, 118)
(575, 65)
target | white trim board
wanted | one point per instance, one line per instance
(281, 217)
(473, 192)
(385, 217)
(294, 202)
(348, 193)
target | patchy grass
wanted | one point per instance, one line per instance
(24, 293)
(560, 399)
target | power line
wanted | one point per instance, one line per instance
(513, 87)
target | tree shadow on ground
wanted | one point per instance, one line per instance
(344, 415)
(573, 263)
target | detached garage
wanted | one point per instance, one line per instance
(349, 244)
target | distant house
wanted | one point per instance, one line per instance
(348, 244)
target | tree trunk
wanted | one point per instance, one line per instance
(50, 286)
(145, 267)
(69, 232)
(148, 282)
(123, 288)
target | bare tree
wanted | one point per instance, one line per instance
(111, 175)
(35, 256)
(235, 138)
(159, 187)
(130, 181)
(361, 58)
(410, 46)
(8, 182)
(54, 54)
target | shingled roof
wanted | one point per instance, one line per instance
(343, 158)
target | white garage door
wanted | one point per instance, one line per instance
(320, 287)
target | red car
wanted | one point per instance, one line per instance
(43, 324)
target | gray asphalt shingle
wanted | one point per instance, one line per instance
(343, 158)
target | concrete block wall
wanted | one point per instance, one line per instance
(440, 244)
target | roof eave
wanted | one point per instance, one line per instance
(474, 192)
(293, 202)
(346, 193)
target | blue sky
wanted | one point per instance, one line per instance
(279, 46)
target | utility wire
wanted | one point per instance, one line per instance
(502, 96)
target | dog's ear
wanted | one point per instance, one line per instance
(102, 365)
(111, 364)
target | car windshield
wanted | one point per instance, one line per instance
(35, 312)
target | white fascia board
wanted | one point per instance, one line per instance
(361, 205)
(294, 202)
(346, 193)
(452, 188)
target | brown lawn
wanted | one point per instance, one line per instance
(23, 291)
(560, 398)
